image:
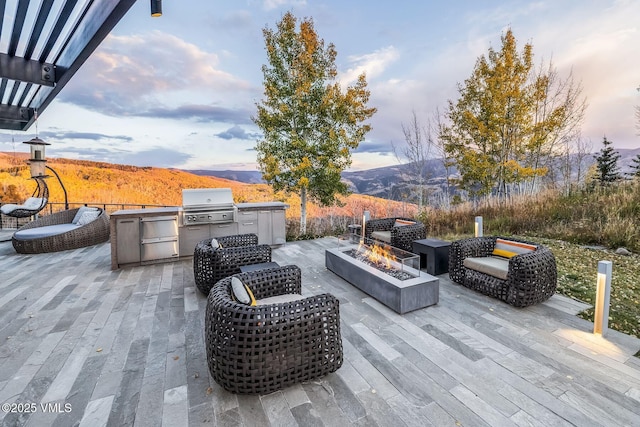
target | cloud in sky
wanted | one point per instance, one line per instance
(137, 74)
(373, 147)
(200, 113)
(65, 136)
(372, 64)
(236, 132)
(274, 4)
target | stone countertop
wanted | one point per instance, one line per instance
(146, 212)
(174, 210)
(262, 206)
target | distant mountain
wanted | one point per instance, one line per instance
(248, 177)
(394, 182)
(626, 157)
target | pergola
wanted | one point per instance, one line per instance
(42, 45)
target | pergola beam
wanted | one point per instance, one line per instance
(97, 23)
(15, 118)
(27, 70)
(28, 85)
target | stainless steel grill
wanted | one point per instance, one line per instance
(208, 206)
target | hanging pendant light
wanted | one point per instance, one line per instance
(156, 8)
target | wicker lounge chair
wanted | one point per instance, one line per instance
(92, 233)
(211, 265)
(399, 236)
(530, 278)
(264, 348)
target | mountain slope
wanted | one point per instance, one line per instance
(393, 182)
(105, 183)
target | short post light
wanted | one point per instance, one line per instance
(603, 292)
(478, 226)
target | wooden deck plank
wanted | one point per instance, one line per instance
(127, 347)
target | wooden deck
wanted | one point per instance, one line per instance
(125, 347)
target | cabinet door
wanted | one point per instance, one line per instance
(128, 243)
(190, 236)
(247, 222)
(227, 229)
(278, 224)
(265, 232)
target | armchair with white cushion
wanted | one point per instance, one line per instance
(269, 336)
(518, 272)
(398, 232)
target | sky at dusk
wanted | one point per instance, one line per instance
(179, 91)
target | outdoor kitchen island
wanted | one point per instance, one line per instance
(141, 236)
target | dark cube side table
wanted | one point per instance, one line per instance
(434, 255)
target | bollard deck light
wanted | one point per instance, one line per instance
(478, 226)
(603, 292)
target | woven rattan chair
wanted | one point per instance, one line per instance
(401, 237)
(211, 265)
(261, 349)
(96, 231)
(531, 279)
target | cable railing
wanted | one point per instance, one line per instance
(10, 223)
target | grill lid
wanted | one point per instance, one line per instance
(207, 198)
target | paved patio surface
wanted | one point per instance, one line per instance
(83, 345)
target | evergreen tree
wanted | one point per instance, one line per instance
(607, 164)
(635, 167)
(310, 124)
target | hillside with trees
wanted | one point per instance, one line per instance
(106, 183)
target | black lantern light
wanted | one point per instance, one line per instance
(38, 158)
(156, 8)
(38, 164)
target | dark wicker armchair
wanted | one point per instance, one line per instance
(400, 237)
(264, 348)
(531, 277)
(96, 231)
(211, 265)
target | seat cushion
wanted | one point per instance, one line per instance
(40, 232)
(384, 236)
(279, 299)
(81, 211)
(241, 292)
(32, 203)
(9, 207)
(493, 266)
(508, 248)
(403, 222)
(87, 217)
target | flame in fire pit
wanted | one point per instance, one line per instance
(377, 255)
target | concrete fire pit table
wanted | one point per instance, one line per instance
(402, 296)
